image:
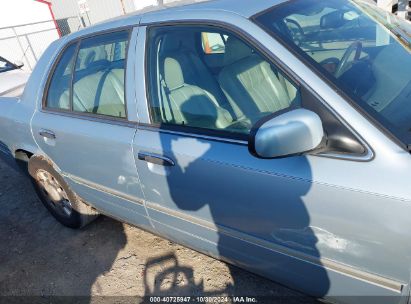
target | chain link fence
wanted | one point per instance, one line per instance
(70, 25)
(26, 42)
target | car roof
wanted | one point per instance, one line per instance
(244, 8)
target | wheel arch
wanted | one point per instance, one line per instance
(21, 154)
(44, 158)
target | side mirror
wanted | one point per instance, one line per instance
(288, 134)
(19, 64)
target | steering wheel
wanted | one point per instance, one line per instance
(299, 30)
(344, 63)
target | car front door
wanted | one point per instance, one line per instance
(284, 218)
(84, 125)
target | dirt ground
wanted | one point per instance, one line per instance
(106, 262)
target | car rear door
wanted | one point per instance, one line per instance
(85, 125)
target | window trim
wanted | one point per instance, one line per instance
(73, 70)
(51, 71)
(174, 130)
(221, 136)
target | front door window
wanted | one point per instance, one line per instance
(229, 97)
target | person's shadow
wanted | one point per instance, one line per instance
(246, 195)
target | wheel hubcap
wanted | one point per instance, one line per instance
(54, 193)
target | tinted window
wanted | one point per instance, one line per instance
(99, 75)
(363, 50)
(59, 90)
(185, 91)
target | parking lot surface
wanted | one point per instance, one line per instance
(106, 262)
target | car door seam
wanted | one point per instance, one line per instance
(139, 180)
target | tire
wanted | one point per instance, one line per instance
(55, 194)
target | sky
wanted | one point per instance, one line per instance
(14, 12)
(143, 3)
(28, 48)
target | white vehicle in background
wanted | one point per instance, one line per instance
(12, 78)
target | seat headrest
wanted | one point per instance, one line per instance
(172, 42)
(236, 50)
(173, 74)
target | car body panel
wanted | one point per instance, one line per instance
(12, 78)
(17, 112)
(275, 264)
(220, 184)
(329, 225)
(12, 82)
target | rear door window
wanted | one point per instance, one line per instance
(58, 96)
(99, 76)
(90, 76)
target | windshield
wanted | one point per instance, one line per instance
(363, 50)
(5, 65)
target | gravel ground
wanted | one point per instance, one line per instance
(106, 262)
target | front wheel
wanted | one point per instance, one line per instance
(57, 197)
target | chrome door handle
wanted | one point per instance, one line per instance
(156, 159)
(47, 134)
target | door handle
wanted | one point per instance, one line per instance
(47, 134)
(156, 159)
